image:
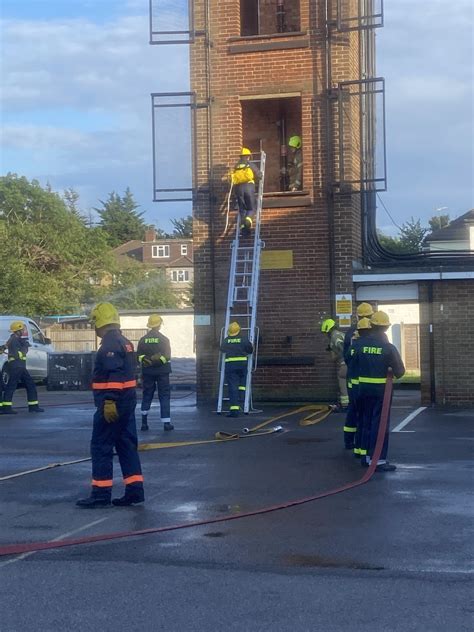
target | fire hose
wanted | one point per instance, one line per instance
(20, 548)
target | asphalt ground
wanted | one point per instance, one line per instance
(394, 554)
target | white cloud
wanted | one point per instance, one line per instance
(77, 71)
(78, 63)
(425, 53)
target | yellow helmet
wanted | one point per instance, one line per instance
(327, 325)
(245, 152)
(154, 321)
(234, 329)
(364, 309)
(295, 142)
(380, 319)
(16, 325)
(364, 323)
(104, 314)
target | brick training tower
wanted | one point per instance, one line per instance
(262, 72)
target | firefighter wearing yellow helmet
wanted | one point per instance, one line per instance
(372, 358)
(295, 164)
(154, 356)
(17, 346)
(353, 423)
(244, 176)
(364, 310)
(236, 347)
(335, 347)
(114, 388)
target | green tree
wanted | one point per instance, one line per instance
(48, 256)
(438, 221)
(137, 286)
(183, 227)
(410, 240)
(119, 218)
(412, 235)
(392, 244)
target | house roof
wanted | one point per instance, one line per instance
(457, 230)
(132, 248)
(181, 262)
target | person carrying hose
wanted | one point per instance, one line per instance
(373, 358)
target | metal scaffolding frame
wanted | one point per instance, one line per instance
(365, 91)
(369, 15)
(180, 100)
(158, 37)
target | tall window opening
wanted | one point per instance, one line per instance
(268, 17)
(270, 124)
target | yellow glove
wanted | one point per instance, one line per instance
(158, 359)
(110, 411)
(146, 362)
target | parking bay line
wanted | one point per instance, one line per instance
(407, 420)
(60, 537)
(84, 527)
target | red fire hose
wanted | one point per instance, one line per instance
(15, 549)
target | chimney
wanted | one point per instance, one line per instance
(150, 233)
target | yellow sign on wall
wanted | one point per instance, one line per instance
(344, 305)
(276, 260)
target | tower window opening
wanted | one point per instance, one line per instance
(268, 125)
(268, 17)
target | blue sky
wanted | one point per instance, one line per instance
(75, 104)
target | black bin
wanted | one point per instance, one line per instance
(70, 371)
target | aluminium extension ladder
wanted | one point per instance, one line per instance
(242, 295)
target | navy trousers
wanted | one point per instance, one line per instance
(17, 372)
(350, 425)
(162, 383)
(371, 411)
(236, 378)
(121, 435)
(245, 194)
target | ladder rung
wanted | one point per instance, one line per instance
(242, 316)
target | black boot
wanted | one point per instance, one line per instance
(144, 423)
(93, 501)
(168, 425)
(130, 498)
(233, 413)
(8, 410)
(34, 408)
(386, 467)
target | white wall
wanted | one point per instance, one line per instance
(179, 328)
(407, 313)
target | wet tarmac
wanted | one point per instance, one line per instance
(395, 554)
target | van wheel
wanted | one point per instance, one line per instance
(5, 376)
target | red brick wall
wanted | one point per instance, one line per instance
(451, 316)
(291, 302)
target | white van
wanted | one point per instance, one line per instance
(40, 346)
